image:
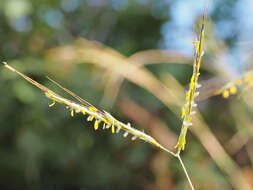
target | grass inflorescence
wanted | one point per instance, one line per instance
(105, 120)
(101, 118)
(187, 109)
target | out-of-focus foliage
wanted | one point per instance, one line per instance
(89, 47)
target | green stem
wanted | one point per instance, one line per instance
(185, 171)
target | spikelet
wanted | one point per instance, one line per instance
(231, 88)
(191, 93)
(93, 113)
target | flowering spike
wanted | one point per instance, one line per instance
(191, 93)
(106, 118)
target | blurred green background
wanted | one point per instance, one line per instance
(81, 44)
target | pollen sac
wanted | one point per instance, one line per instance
(72, 113)
(90, 118)
(233, 90)
(83, 112)
(133, 138)
(238, 82)
(225, 94)
(96, 124)
(53, 103)
(183, 112)
(249, 80)
(113, 129)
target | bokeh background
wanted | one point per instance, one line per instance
(132, 58)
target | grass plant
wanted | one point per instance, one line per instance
(105, 120)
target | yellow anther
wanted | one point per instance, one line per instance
(52, 104)
(188, 94)
(92, 117)
(113, 129)
(72, 113)
(104, 126)
(225, 94)
(238, 82)
(83, 112)
(233, 90)
(192, 85)
(96, 125)
(183, 112)
(93, 109)
(195, 44)
(249, 80)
